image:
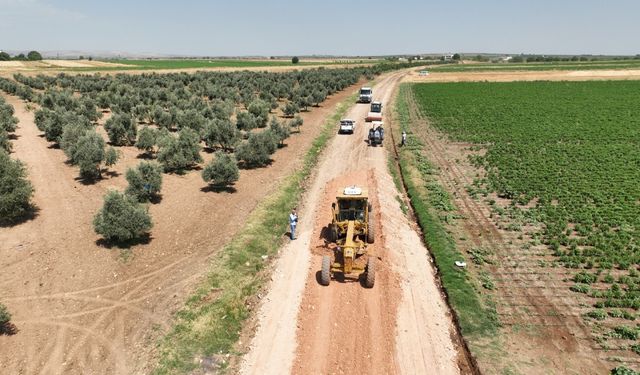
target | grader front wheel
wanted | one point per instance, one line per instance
(370, 277)
(371, 231)
(325, 273)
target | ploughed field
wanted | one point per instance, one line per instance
(560, 164)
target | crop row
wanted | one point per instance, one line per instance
(569, 152)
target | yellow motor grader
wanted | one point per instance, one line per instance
(351, 229)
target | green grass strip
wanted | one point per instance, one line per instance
(211, 326)
(474, 316)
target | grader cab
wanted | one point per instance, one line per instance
(351, 229)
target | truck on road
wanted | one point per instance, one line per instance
(366, 95)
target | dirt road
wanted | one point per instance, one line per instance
(83, 308)
(400, 326)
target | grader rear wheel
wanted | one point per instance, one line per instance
(370, 278)
(325, 273)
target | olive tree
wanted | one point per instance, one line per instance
(177, 154)
(88, 154)
(246, 121)
(122, 129)
(15, 189)
(121, 218)
(220, 133)
(145, 181)
(111, 157)
(296, 123)
(257, 151)
(260, 110)
(318, 96)
(70, 136)
(146, 139)
(222, 170)
(8, 122)
(190, 118)
(53, 126)
(5, 144)
(279, 132)
(290, 109)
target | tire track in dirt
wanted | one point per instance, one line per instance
(564, 332)
(345, 328)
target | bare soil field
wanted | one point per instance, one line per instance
(551, 75)
(401, 325)
(53, 64)
(54, 67)
(542, 328)
(80, 307)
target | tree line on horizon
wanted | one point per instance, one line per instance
(31, 56)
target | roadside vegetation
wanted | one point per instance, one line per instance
(474, 311)
(565, 155)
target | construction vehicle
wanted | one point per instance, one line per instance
(376, 112)
(376, 134)
(351, 229)
(347, 126)
(366, 95)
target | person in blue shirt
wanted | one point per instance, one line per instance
(293, 222)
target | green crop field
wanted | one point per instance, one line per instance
(540, 66)
(571, 151)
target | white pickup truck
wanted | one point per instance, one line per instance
(347, 126)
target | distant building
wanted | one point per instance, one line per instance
(448, 57)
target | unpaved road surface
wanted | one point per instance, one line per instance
(402, 325)
(81, 308)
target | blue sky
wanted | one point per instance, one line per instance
(349, 27)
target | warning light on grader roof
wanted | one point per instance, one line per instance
(353, 190)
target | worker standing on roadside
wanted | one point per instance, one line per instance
(293, 221)
(404, 138)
